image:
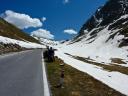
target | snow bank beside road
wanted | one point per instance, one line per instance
(24, 44)
(115, 80)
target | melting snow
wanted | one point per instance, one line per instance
(115, 80)
(24, 44)
(98, 48)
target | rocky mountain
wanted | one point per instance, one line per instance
(10, 31)
(104, 37)
(101, 43)
(114, 16)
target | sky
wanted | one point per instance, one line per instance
(56, 19)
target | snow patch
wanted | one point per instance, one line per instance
(115, 80)
(24, 44)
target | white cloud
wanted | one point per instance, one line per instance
(66, 1)
(42, 33)
(70, 31)
(43, 19)
(22, 21)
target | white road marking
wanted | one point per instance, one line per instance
(45, 80)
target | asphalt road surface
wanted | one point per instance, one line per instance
(21, 74)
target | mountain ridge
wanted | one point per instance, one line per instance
(115, 14)
(104, 37)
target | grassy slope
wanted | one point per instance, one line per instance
(9, 30)
(76, 83)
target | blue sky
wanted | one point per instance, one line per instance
(59, 15)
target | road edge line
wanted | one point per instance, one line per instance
(45, 80)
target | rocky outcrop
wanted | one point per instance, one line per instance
(6, 48)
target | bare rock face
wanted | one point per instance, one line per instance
(6, 48)
(115, 14)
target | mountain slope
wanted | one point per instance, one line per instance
(104, 37)
(10, 31)
(101, 47)
(113, 14)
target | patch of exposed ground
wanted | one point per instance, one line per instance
(109, 67)
(6, 48)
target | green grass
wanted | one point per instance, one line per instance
(76, 83)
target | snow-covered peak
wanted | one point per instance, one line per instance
(104, 36)
(47, 42)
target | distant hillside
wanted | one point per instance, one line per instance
(10, 31)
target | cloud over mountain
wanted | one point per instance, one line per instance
(66, 1)
(70, 31)
(22, 21)
(42, 33)
(43, 19)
